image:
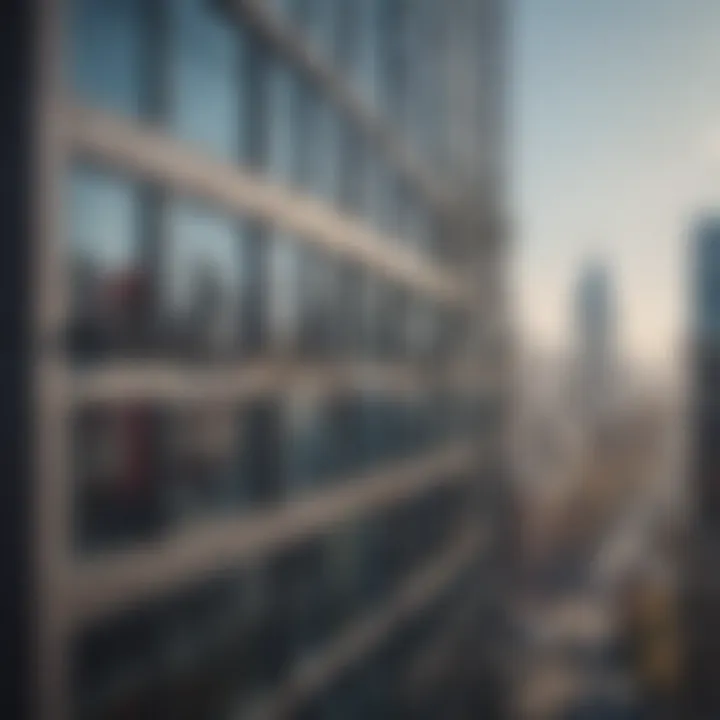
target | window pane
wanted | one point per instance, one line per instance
(366, 72)
(391, 56)
(420, 329)
(281, 122)
(307, 142)
(284, 292)
(318, 297)
(140, 468)
(349, 310)
(371, 299)
(203, 280)
(381, 194)
(110, 286)
(308, 446)
(255, 143)
(108, 41)
(206, 98)
(117, 473)
(352, 185)
(181, 656)
(348, 38)
(204, 458)
(322, 26)
(328, 133)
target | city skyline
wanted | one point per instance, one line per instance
(616, 150)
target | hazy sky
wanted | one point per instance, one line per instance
(617, 143)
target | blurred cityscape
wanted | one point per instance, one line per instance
(277, 443)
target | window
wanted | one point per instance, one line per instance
(284, 310)
(404, 212)
(319, 294)
(390, 318)
(166, 658)
(281, 123)
(348, 318)
(306, 138)
(115, 662)
(374, 200)
(262, 438)
(140, 469)
(204, 281)
(348, 41)
(342, 571)
(353, 184)
(308, 444)
(257, 65)
(255, 310)
(391, 60)
(109, 46)
(117, 470)
(110, 281)
(328, 151)
(370, 316)
(385, 192)
(322, 28)
(423, 231)
(204, 451)
(365, 72)
(206, 98)
(421, 329)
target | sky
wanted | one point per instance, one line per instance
(616, 146)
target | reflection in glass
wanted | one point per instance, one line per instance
(308, 448)
(203, 280)
(319, 295)
(204, 455)
(109, 40)
(110, 303)
(307, 142)
(371, 302)
(281, 123)
(284, 310)
(328, 152)
(205, 90)
(117, 475)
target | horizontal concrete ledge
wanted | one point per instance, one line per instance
(102, 585)
(157, 157)
(310, 677)
(235, 382)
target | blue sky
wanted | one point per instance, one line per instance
(617, 143)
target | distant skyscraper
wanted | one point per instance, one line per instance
(595, 328)
(702, 590)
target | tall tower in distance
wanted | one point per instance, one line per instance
(596, 343)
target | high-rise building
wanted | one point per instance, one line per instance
(702, 589)
(595, 328)
(256, 386)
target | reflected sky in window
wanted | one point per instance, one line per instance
(206, 98)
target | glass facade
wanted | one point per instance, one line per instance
(219, 646)
(174, 283)
(226, 93)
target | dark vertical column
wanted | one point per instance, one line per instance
(16, 90)
(701, 592)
